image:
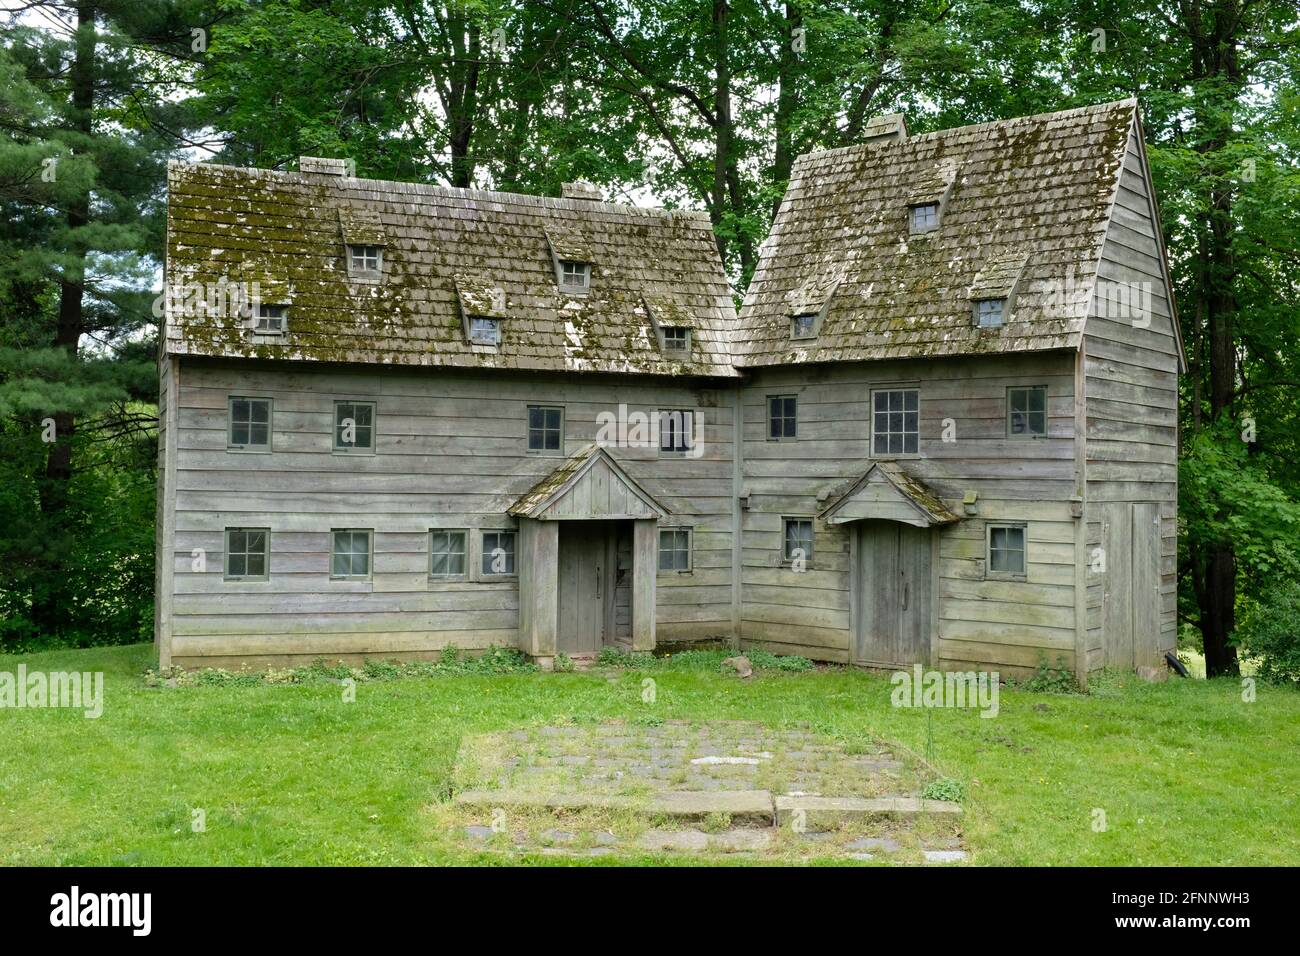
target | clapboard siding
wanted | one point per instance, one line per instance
(1131, 366)
(1007, 625)
(451, 452)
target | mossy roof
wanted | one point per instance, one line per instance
(442, 247)
(1031, 196)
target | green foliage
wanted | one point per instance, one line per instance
(563, 663)
(704, 659)
(1270, 632)
(1049, 678)
(944, 789)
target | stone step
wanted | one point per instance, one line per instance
(747, 806)
(819, 812)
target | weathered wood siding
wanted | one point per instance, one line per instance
(1005, 625)
(451, 453)
(1130, 363)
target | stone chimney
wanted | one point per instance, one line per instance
(323, 167)
(581, 190)
(885, 129)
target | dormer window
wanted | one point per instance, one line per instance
(365, 261)
(990, 313)
(575, 276)
(676, 338)
(270, 319)
(804, 326)
(924, 217)
(483, 331)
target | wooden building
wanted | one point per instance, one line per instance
(941, 429)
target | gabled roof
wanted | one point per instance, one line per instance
(441, 248)
(1035, 190)
(589, 484)
(886, 491)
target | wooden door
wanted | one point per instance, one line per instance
(894, 591)
(1130, 608)
(584, 588)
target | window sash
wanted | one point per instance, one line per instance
(782, 417)
(574, 275)
(676, 338)
(990, 313)
(365, 258)
(350, 553)
(803, 326)
(545, 428)
(1007, 549)
(447, 553)
(896, 422)
(674, 549)
(270, 319)
(1027, 412)
(504, 541)
(483, 331)
(247, 551)
(798, 535)
(676, 430)
(362, 415)
(250, 423)
(925, 217)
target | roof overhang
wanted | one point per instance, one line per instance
(886, 492)
(589, 485)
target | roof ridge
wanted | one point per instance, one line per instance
(432, 189)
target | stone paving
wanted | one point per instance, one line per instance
(721, 788)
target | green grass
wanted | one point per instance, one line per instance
(289, 774)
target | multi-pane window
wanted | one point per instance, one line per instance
(350, 553)
(989, 313)
(484, 331)
(676, 338)
(895, 422)
(545, 428)
(354, 426)
(676, 430)
(675, 549)
(365, 258)
(498, 552)
(1006, 549)
(447, 553)
(246, 551)
(925, 217)
(803, 326)
(782, 421)
(270, 319)
(798, 543)
(250, 424)
(574, 275)
(1027, 412)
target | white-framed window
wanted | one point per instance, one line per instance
(350, 553)
(248, 554)
(354, 427)
(676, 430)
(365, 260)
(990, 313)
(674, 549)
(923, 217)
(249, 424)
(575, 276)
(270, 319)
(545, 430)
(677, 338)
(1027, 411)
(1007, 550)
(484, 331)
(448, 557)
(797, 540)
(782, 417)
(804, 326)
(498, 553)
(895, 422)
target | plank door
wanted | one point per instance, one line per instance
(894, 592)
(583, 564)
(1130, 608)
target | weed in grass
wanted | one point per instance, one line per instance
(944, 789)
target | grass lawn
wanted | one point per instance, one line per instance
(1185, 771)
